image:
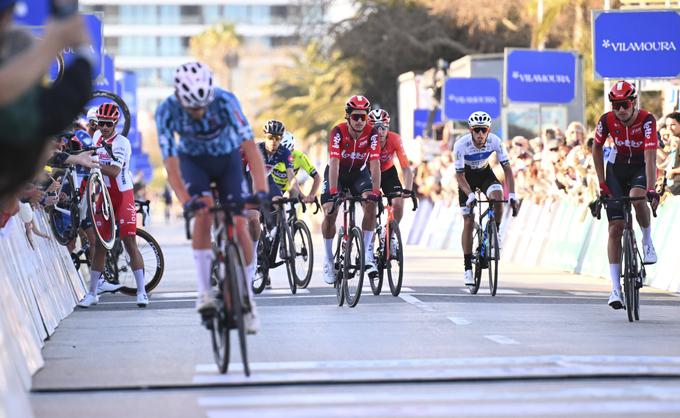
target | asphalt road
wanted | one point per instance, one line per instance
(546, 345)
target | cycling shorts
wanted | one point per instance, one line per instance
(356, 182)
(125, 212)
(225, 170)
(389, 181)
(484, 180)
(620, 179)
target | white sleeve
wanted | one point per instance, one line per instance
(121, 152)
(500, 151)
(459, 155)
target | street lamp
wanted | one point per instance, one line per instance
(231, 61)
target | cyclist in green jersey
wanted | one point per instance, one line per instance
(300, 160)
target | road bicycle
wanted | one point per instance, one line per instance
(486, 253)
(231, 293)
(388, 255)
(349, 252)
(633, 268)
(290, 240)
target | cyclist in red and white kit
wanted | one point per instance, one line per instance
(391, 145)
(630, 171)
(116, 170)
(354, 166)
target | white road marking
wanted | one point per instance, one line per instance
(597, 294)
(501, 339)
(283, 291)
(171, 295)
(511, 409)
(416, 302)
(498, 291)
(459, 321)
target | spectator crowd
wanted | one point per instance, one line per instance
(555, 166)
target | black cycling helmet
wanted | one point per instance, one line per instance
(274, 127)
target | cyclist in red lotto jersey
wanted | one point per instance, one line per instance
(630, 170)
(391, 144)
(354, 166)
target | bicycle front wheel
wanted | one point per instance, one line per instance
(477, 258)
(493, 255)
(65, 214)
(376, 280)
(304, 254)
(240, 303)
(101, 210)
(629, 274)
(353, 271)
(262, 270)
(338, 268)
(154, 265)
(394, 259)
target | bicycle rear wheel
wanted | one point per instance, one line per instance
(493, 255)
(304, 254)
(376, 280)
(353, 271)
(262, 270)
(240, 304)
(477, 257)
(101, 210)
(154, 265)
(396, 255)
(628, 276)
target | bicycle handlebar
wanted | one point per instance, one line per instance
(142, 206)
(596, 205)
(340, 198)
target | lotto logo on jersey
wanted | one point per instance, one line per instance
(374, 142)
(648, 129)
(354, 155)
(600, 129)
(336, 140)
(628, 143)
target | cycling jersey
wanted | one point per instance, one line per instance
(222, 129)
(300, 160)
(122, 151)
(354, 154)
(630, 142)
(393, 145)
(468, 155)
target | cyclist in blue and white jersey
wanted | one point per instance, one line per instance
(471, 152)
(212, 131)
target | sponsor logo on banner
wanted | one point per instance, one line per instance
(542, 78)
(473, 99)
(649, 46)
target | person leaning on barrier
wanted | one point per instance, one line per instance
(30, 112)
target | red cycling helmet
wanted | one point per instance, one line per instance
(357, 103)
(379, 116)
(108, 111)
(622, 90)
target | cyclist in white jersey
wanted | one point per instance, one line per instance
(471, 152)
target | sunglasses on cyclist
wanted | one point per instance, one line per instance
(358, 116)
(275, 138)
(106, 123)
(480, 129)
(625, 104)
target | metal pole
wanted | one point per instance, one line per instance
(607, 84)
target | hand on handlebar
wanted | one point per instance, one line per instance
(193, 205)
(471, 200)
(604, 190)
(653, 198)
(514, 204)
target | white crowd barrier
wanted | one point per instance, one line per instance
(558, 234)
(38, 288)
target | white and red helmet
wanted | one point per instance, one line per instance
(379, 116)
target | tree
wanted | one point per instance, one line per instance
(217, 46)
(391, 37)
(309, 96)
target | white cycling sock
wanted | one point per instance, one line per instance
(94, 281)
(95, 276)
(139, 278)
(253, 268)
(368, 242)
(329, 248)
(647, 235)
(202, 260)
(615, 274)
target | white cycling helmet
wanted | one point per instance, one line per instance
(288, 141)
(193, 84)
(92, 113)
(479, 119)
